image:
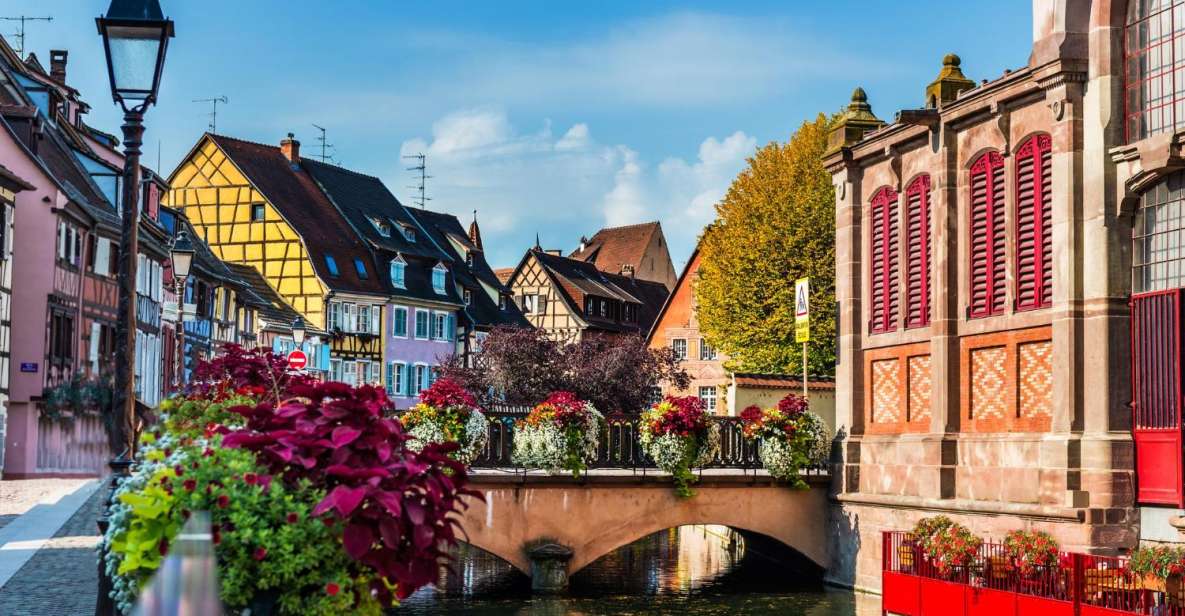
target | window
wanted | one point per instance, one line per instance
(335, 370)
(917, 259)
(398, 273)
(1158, 262)
(680, 347)
(1034, 222)
(361, 267)
(631, 313)
(409, 234)
(706, 351)
(604, 305)
(395, 378)
(331, 263)
(534, 304)
(469, 258)
(350, 372)
(376, 320)
(69, 244)
(1154, 100)
(468, 297)
(100, 261)
(422, 324)
(502, 301)
(335, 316)
(364, 319)
(987, 236)
(884, 261)
(399, 321)
(421, 380)
(439, 274)
(61, 337)
(257, 212)
(708, 396)
(381, 226)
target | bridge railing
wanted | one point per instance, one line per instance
(620, 447)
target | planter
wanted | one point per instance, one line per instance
(1152, 582)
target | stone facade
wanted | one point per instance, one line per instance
(1013, 416)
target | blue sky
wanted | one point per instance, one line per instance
(556, 118)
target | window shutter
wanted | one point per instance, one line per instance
(987, 236)
(917, 267)
(450, 327)
(390, 378)
(884, 261)
(376, 320)
(1034, 259)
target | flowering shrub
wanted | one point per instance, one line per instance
(678, 434)
(315, 499)
(1159, 561)
(949, 546)
(447, 414)
(791, 437)
(562, 432)
(1031, 551)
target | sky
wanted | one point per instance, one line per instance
(546, 118)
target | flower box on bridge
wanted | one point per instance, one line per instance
(1079, 585)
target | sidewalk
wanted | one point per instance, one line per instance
(55, 540)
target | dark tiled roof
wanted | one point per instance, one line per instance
(292, 190)
(483, 311)
(578, 279)
(612, 247)
(272, 309)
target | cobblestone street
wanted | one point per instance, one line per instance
(61, 578)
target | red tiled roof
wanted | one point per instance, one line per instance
(782, 381)
(294, 193)
(613, 247)
(504, 274)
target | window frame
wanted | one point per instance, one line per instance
(680, 353)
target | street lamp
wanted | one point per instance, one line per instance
(135, 37)
(181, 255)
(298, 330)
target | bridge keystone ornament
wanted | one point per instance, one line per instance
(549, 568)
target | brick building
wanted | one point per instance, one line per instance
(984, 256)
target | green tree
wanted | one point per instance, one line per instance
(775, 224)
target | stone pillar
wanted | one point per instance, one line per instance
(944, 342)
(849, 373)
(549, 568)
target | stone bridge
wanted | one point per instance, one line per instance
(550, 526)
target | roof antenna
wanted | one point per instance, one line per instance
(325, 156)
(422, 167)
(213, 114)
(537, 246)
(19, 35)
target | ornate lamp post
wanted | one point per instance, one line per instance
(298, 330)
(135, 37)
(181, 255)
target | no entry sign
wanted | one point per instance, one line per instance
(297, 360)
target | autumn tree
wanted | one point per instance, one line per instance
(775, 224)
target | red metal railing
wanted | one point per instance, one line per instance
(1079, 585)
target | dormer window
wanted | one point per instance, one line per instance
(468, 297)
(398, 273)
(361, 267)
(382, 226)
(439, 276)
(502, 301)
(469, 258)
(331, 263)
(409, 234)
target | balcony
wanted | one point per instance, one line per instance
(1079, 585)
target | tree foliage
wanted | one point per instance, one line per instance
(775, 224)
(523, 367)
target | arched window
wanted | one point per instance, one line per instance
(1158, 261)
(1154, 81)
(917, 264)
(987, 236)
(884, 261)
(1034, 222)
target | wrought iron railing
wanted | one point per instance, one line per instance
(620, 447)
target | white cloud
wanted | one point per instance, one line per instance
(527, 182)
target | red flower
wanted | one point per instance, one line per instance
(223, 501)
(180, 470)
(292, 518)
(332, 589)
(163, 547)
(217, 536)
(190, 484)
(250, 478)
(447, 393)
(260, 553)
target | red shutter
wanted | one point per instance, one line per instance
(1156, 396)
(1034, 239)
(987, 236)
(917, 267)
(884, 261)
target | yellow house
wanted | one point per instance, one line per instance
(257, 205)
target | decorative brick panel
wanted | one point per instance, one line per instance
(919, 387)
(1006, 381)
(1035, 377)
(989, 383)
(886, 392)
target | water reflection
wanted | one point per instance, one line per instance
(690, 570)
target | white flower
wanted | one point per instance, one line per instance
(545, 445)
(472, 444)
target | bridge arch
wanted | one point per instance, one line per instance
(598, 515)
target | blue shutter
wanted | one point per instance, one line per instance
(408, 375)
(390, 379)
(450, 325)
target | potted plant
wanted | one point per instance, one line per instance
(447, 413)
(953, 550)
(788, 435)
(560, 433)
(1031, 553)
(1159, 566)
(678, 434)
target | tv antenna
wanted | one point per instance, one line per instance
(213, 114)
(421, 166)
(19, 35)
(325, 156)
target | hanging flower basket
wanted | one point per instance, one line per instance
(790, 438)
(447, 414)
(561, 433)
(678, 434)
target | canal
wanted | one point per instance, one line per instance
(690, 571)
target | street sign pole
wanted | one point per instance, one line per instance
(802, 323)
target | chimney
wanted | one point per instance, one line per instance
(627, 269)
(57, 65)
(583, 244)
(290, 148)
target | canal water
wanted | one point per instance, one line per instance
(689, 571)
